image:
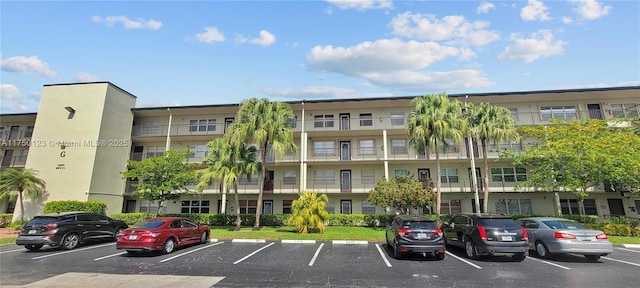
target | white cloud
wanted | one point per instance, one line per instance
(590, 9)
(601, 85)
(485, 7)
(27, 65)
(9, 92)
(567, 20)
(535, 10)
(425, 81)
(86, 77)
(265, 39)
(312, 92)
(210, 35)
(538, 45)
(384, 55)
(455, 29)
(360, 5)
(128, 23)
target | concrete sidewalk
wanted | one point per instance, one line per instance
(97, 280)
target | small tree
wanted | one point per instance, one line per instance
(21, 183)
(308, 213)
(402, 192)
(162, 178)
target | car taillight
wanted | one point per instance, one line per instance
(155, 234)
(483, 233)
(602, 236)
(438, 231)
(560, 235)
(403, 232)
(524, 234)
(51, 226)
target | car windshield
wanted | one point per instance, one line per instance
(499, 223)
(563, 224)
(149, 224)
(418, 225)
(42, 220)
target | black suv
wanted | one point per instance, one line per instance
(487, 234)
(415, 234)
(68, 229)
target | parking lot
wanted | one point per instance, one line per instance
(259, 263)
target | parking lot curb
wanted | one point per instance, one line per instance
(299, 241)
(631, 245)
(349, 242)
(213, 240)
(248, 241)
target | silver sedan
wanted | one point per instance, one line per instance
(548, 236)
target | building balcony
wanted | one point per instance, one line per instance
(13, 161)
(16, 138)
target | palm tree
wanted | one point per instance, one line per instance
(226, 164)
(309, 213)
(23, 182)
(266, 125)
(488, 123)
(432, 120)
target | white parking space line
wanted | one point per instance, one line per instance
(463, 260)
(621, 261)
(313, 260)
(16, 250)
(190, 251)
(384, 257)
(550, 263)
(254, 252)
(109, 256)
(72, 251)
(625, 249)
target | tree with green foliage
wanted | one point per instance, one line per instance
(265, 124)
(401, 192)
(308, 213)
(485, 124)
(578, 155)
(433, 120)
(227, 163)
(21, 184)
(162, 178)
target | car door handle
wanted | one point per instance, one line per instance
(98, 225)
(80, 225)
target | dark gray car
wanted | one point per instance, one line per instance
(415, 234)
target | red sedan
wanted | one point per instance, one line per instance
(162, 233)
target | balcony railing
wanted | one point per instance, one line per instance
(16, 134)
(13, 161)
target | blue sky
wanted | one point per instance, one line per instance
(217, 52)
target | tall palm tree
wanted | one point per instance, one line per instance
(226, 164)
(266, 125)
(23, 183)
(432, 120)
(487, 123)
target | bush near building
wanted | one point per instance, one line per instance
(72, 205)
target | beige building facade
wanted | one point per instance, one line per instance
(83, 134)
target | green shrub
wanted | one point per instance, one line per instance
(17, 225)
(5, 219)
(636, 231)
(618, 220)
(615, 229)
(72, 205)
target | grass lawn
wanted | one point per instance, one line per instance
(6, 241)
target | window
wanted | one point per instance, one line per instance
(28, 132)
(200, 151)
(292, 122)
(286, 206)
(345, 206)
(451, 146)
(366, 147)
(151, 207)
(366, 119)
(323, 177)
(202, 125)
(516, 145)
(289, 177)
(570, 207)
(624, 110)
(513, 206)
(150, 127)
(397, 118)
(323, 121)
(509, 174)
(155, 151)
(399, 172)
(450, 206)
(449, 175)
(368, 177)
(558, 112)
(330, 207)
(248, 206)
(253, 181)
(324, 148)
(514, 114)
(399, 146)
(195, 206)
(368, 208)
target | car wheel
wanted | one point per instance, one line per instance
(70, 241)
(117, 232)
(396, 252)
(470, 248)
(592, 258)
(440, 256)
(169, 245)
(33, 247)
(132, 252)
(542, 250)
(204, 237)
(519, 256)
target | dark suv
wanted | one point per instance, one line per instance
(487, 234)
(68, 229)
(415, 234)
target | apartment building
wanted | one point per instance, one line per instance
(83, 134)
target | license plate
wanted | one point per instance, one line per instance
(421, 235)
(584, 238)
(133, 237)
(507, 238)
(32, 231)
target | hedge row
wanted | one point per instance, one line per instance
(72, 205)
(5, 219)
